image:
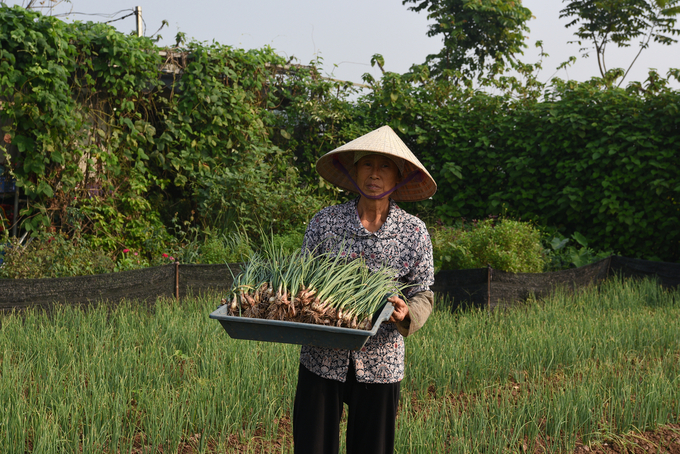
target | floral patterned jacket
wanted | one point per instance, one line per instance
(403, 243)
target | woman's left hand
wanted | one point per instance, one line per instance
(400, 309)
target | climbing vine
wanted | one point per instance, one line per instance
(100, 143)
(113, 138)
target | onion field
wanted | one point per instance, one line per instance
(547, 376)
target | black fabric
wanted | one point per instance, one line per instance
(318, 407)
(144, 285)
(197, 279)
(372, 412)
(316, 414)
(485, 288)
(668, 274)
(508, 288)
(466, 287)
(489, 288)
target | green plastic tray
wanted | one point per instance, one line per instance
(299, 333)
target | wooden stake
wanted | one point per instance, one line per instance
(177, 280)
(489, 272)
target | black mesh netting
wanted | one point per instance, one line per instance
(493, 288)
(479, 287)
(667, 273)
(145, 284)
(198, 279)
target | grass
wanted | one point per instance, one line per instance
(586, 367)
(602, 362)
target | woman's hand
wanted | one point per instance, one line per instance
(400, 309)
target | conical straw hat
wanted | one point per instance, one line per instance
(384, 141)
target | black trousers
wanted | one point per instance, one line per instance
(318, 408)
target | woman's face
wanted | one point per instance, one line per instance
(376, 174)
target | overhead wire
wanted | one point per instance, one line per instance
(104, 15)
(120, 18)
(100, 14)
(94, 14)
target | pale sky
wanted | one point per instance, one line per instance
(345, 34)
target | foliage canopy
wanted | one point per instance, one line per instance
(619, 21)
(479, 36)
(122, 142)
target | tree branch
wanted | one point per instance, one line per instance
(642, 47)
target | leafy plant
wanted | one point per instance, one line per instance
(129, 260)
(289, 243)
(234, 248)
(444, 245)
(99, 144)
(505, 244)
(105, 149)
(561, 255)
(591, 159)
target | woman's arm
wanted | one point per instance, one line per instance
(412, 316)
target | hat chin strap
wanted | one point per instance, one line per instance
(415, 174)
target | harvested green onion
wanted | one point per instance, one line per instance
(309, 288)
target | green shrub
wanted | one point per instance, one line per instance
(505, 244)
(233, 248)
(48, 255)
(444, 241)
(207, 246)
(289, 242)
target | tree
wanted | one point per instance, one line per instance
(479, 35)
(620, 21)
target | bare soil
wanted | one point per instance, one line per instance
(664, 439)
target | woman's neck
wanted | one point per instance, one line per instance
(373, 213)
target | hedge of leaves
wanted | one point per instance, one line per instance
(583, 157)
(100, 144)
(72, 96)
(601, 162)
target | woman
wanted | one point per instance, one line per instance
(382, 170)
